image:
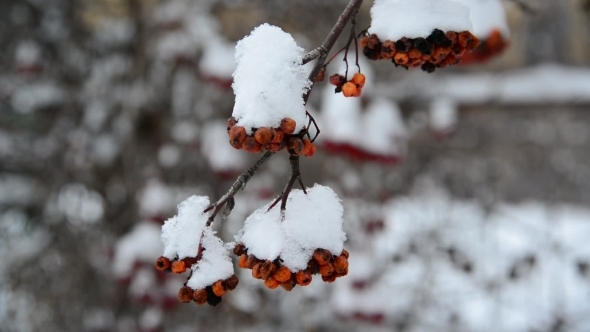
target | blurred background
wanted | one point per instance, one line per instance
(466, 191)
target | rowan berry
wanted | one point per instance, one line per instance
(219, 288)
(321, 75)
(232, 282)
(467, 40)
(295, 145)
(256, 274)
(340, 264)
(274, 147)
(212, 299)
(243, 261)
(326, 270)
(349, 89)
(185, 294)
(359, 80)
(288, 126)
(262, 135)
(239, 249)
(252, 260)
(288, 285)
(415, 54)
(303, 278)
(231, 122)
(277, 135)
(312, 266)
(388, 50)
(282, 274)
(267, 269)
(272, 283)
(237, 136)
(322, 256)
(401, 58)
(200, 296)
(251, 145)
(178, 267)
(337, 80)
(452, 36)
(344, 253)
(329, 278)
(163, 264)
(308, 148)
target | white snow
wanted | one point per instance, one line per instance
(443, 114)
(384, 131)
(218, 60)
(181, 234)
(394, 19)
(487, 15)
(269, 80)
(214, 265)
(311, 221)
(340, 117)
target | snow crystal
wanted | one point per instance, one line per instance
(214, 265)
(486, 16)
(311, 221)
(394, 19)
(269, 81)
(181, 234)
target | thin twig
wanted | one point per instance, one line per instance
(295, 176)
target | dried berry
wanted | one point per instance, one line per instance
(282, 274)
(256, 274)
(243, 261)
(231, 283)
(237, 135)
(163, 264)
(423, 46)
(252, 260)
(219, 288)
(185, 294)
(267, 269)
(329, 278)
(313, 267)
(231, 122)
(295, 145)
(262, 135)
(239, 249)
(288, 126)
(401, 58)
(340, 264)
(212, 299)
(200, 296)
(303, 278)
(337, 79)
(326, 270)
(288, 285)
(251, 145)
(344, 253)
(277, 135)
(178, 266)
(388, 50)
(321, 75)
(322, 256)
(271, 283)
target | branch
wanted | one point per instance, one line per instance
(319, 53)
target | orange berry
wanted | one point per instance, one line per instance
(178, 267)
(271, 283)
(340, 264)
(200, 296)
(452, 36)
(467, 40)
(349, 89)
(388, 50)
(288, 126)
(288, 285)
(283, 274)
(277, 135)
(343, 273)
(274, 147)
(231, 122)
(262, 135)
(326, 270)
(345, 253)
(237, 135)
(243, 261)
(231, 283)
(337, 79)
(358, 92)
(359, 80)
(251, 145)
(329, 278)
(303, 278)
(414, 54)
(295, 145)
(219, 288)
(256, 274)
(401, 58)
(252, 260)
(267, 270)
(163, 263)
(185, 294)
(239, 249)
(321, 75)
(308, 148)
(322, 256)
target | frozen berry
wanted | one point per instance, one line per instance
(359, 80)
(239, 249)
(277, 135)
(256, 274)
(262, 135)
(321, 75)
(272, 283)
(243, 261)
(349, 89)
(252, 260)
(283, 274)
(231, 122)
(345, 253)
(326, 270)
(308, 148)
(218, 288)
(267, 269)
(185, 294)
(295, 145)
(200, 296)
(329, 278)
(288, 285)
(237, 135)
(322, 256)
(340, 264)
(303, 278)
(163, 264)
(401, 58)
(388, 50)
(288, 126)
(251, 145)
(231, 283)
(312, 266)
(337, 79)
(212, 299)
(178, 266)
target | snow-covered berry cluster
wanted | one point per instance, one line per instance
(437, 50)
(271, 139)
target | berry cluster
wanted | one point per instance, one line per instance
(493, 45)
(211, 294)
(352, 88)
(275, 274)
(271, 139)
(177, 266)
(440, 49)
